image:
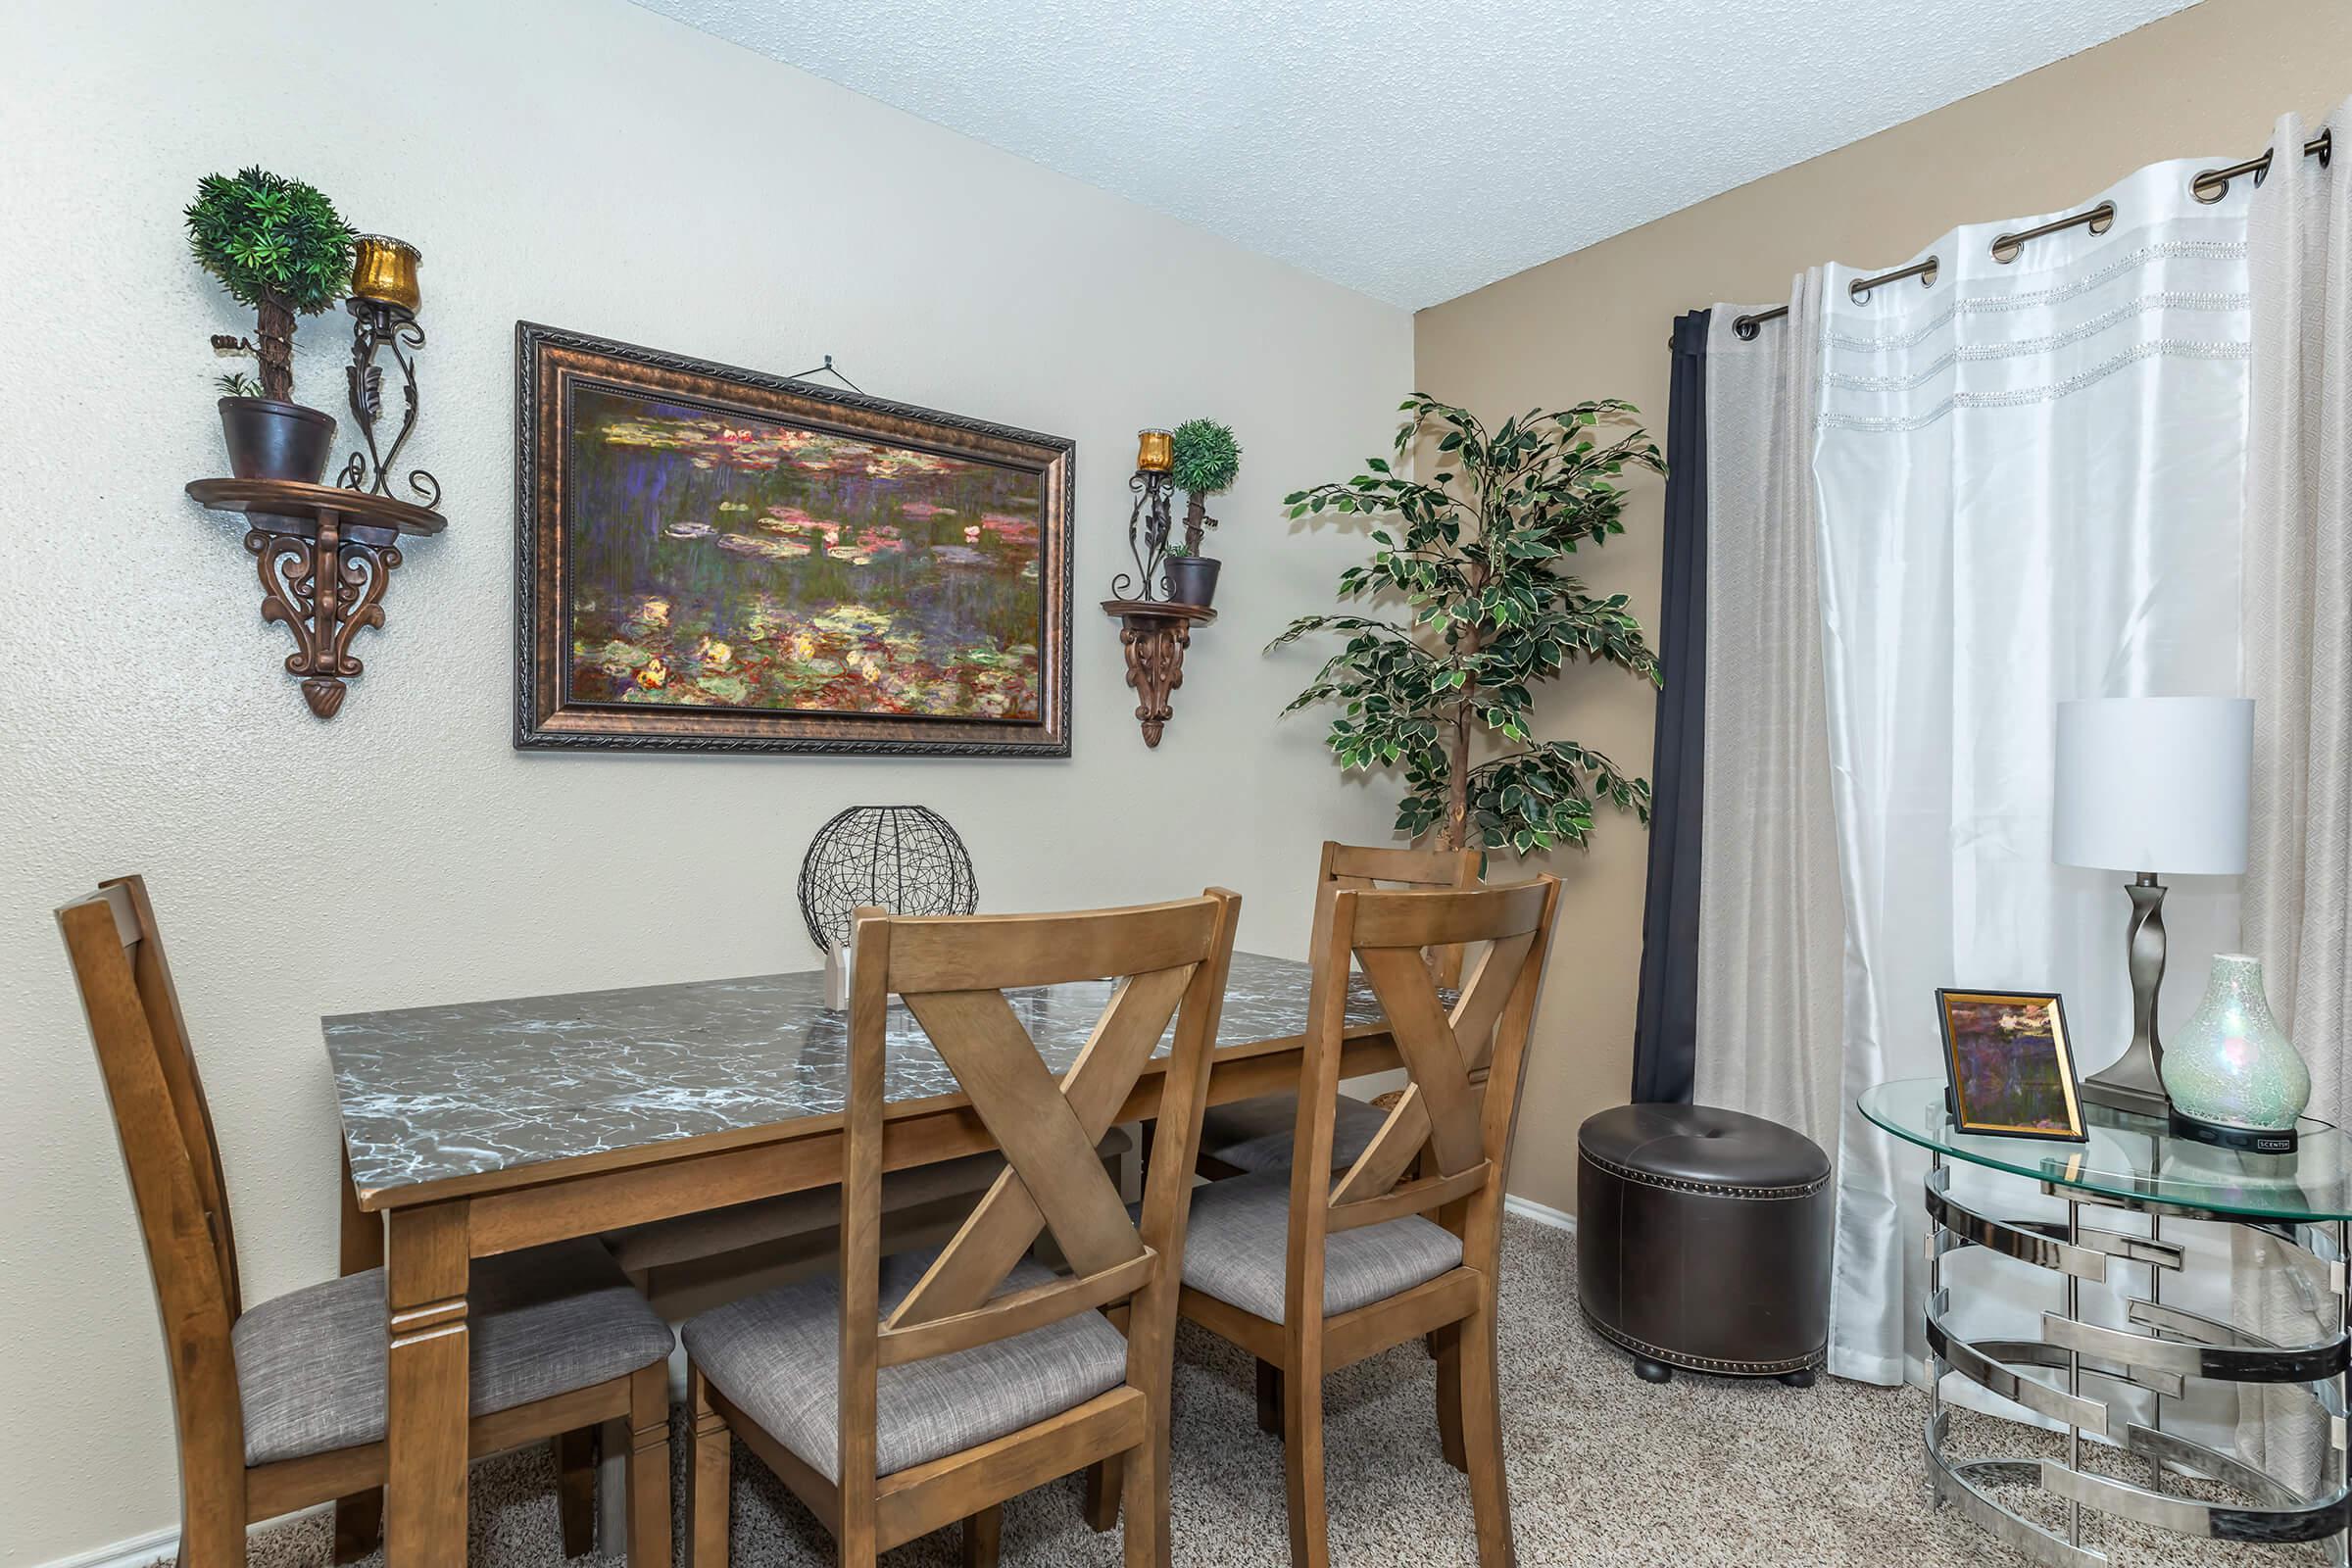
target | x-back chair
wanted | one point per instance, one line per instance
(283, 1405)
(1310, 1270)
(916, 1391)
(1256, 1134)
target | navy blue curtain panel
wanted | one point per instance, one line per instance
(1666, 1022)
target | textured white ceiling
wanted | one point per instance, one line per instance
(1417, 149)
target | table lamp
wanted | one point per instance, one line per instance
(2145, 784)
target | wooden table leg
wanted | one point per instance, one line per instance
(575, 1490)
(983, 1534)
(1106, 1478)
(614, 1443)
(1106, 1484)
(360, 1517)
(424, 1506)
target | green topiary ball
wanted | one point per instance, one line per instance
(1206, 457)
(267, 237)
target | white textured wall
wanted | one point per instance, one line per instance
(594, 167)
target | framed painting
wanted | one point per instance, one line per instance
(2010, 1064)
(710, 558)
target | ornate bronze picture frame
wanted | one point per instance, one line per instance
(711, 559)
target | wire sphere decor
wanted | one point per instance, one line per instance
(904, 858)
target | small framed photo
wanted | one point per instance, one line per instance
(2010, 1063)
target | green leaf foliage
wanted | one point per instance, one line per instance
(267, 237)
(1206, 457)
(1468, 569)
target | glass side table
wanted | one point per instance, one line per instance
(2130, 1163)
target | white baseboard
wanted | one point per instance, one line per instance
(136, 1552)
(1541, 1213)
(162, 1545)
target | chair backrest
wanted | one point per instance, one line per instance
(1170, 962)
(166, 1132)
(1366, 867)
(1465, 1065)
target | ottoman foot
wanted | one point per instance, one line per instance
(1800, 1379)
(1650, 1371)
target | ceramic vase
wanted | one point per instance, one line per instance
(2231, 1066)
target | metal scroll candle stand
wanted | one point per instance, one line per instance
(1153, 630)
(384, 296)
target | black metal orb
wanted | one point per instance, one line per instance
(904, 858)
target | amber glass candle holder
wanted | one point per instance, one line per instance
(1154, 451)
(385, 269)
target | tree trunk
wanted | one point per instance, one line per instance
(1195, 515)
(275, 347)
(1457, 784)
(1457, 775)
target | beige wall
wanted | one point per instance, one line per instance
(587, 164)
(2207, 81)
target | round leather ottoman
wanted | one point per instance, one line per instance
(1702, 1241)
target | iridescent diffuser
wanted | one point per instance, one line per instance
(2232, 1067)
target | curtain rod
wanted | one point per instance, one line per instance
(2208, 187)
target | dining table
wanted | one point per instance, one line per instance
(481, 1128)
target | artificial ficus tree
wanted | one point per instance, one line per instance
(1470, 566)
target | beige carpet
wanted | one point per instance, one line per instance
(1604, 1469)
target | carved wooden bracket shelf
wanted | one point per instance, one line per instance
(1155, 634)
(294, 530)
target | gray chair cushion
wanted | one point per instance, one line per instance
(1237, 1249)
(719, 1231)
(311, 1363)
(777, 1358)
(1253, 1135)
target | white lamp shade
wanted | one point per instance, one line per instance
(2153, 784)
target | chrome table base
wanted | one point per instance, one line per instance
(2175, 1345)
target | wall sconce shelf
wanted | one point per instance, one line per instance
(1155, 634)
(293, 529)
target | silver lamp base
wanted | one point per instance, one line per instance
(2129, 1083)
(2134, 1081)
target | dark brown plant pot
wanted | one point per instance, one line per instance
(1192, 580)
(272, 440)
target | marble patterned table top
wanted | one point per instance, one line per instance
(432, 1093)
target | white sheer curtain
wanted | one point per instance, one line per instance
(2297, 595)
(1771, 928)
(2029, 483)
(2298, 601)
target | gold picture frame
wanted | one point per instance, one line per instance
(2009, 1064)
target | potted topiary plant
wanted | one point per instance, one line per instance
(1206, 460)
(280, 246)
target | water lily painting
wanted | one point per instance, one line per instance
(716, 558)
(2009, 1063)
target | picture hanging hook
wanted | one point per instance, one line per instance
(827, 369)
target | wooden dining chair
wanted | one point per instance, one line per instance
(283, 1405)
(1250, 1135)
(913, 1391)
(1309, 1271)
